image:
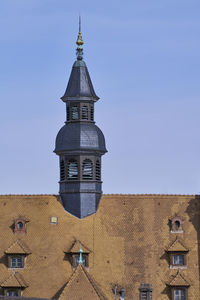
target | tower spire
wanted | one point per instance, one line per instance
(79, 43)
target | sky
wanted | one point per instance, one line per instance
(143, 57)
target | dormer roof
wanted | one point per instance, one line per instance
(14, 280)
(177, 246)
(81, 286)
(178, 280)
(18, 247)
(76, 248)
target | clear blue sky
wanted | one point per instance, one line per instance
(144, 60)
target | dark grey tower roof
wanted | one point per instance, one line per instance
(75, 137)
(80, 85)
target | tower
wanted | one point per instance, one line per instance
(80, 143)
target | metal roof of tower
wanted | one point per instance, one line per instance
(80, 85)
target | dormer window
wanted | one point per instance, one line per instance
(20, 225)
(177, 252)
(16, 262)
(16, 254)
(76, 258)
(176, 225)
(78, 254)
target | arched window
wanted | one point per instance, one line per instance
(20, 225)
(176, 225)
(98, 170)
(67, 113)
(92, 113)
(62, 170)
(87, 169)
(75, 115)
(84, 112)
(72, 170)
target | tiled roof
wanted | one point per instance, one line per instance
(76, 247)
(81, 286)
(14, 280)
(178, 280)
(18, 247)
(177, 246)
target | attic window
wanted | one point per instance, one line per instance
(87, 169)
(75, 114)
(76, 257)
(20, 225)
(176, 225)
(72, 172)
(12, 292)
(84, 112)
(179, 294)
(16, 262)
(178, 260)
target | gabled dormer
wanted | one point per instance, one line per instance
(16, 254)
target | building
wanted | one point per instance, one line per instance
(79, 245)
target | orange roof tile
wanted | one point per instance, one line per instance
(178, 280)
(76, 247)
(14, 280)
(177, 246)
(81, 286)
(18, 247)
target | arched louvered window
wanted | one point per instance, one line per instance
(75, 115)
(67, 113)
(84, 112)
(87, 169)
(92, 113)
(62, 170)
(98, 170)
(72, 169)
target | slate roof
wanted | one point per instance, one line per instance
(80, 85)
(78, 136)
(14, 280)
(18, 247)
(81, 286)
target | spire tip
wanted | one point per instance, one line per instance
(79, 43)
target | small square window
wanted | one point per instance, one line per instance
(13, 293)
(54, 220)
(16, 262)
(178, 260)
(179, 294)
(76, 257)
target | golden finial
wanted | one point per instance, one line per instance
(79, 41)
